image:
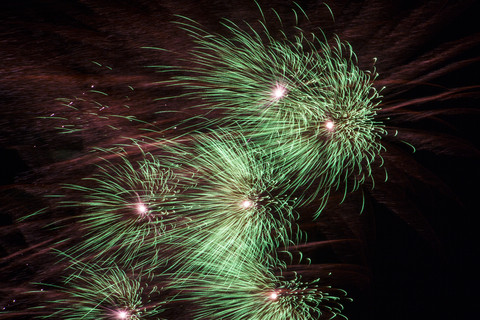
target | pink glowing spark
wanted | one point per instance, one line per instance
(273, 296)
(247, 204)
(141, 208)
(122, 314)
(329, 125)
(279, 92)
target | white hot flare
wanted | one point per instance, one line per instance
(279, 92)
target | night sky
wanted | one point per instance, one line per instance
(412, 253)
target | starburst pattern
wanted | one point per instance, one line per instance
(128, 209)
(94, 292)
(304, 98)
(237, 203)
(195, 201)
(258, 291)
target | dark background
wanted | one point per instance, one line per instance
(417, 249)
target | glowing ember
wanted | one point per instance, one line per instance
(141, 208)
(122, 314)
(329, 125)
(247, 204)
(278, 92)
(273, 296)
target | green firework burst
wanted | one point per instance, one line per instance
(304, 94)
(253, 291)
(239, 202)
(128, 210)
(93, 292)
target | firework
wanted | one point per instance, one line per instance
(299, 98)
(94, 292)
(303, 98)
(237, 201)
(260, 291)
(127, 211)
